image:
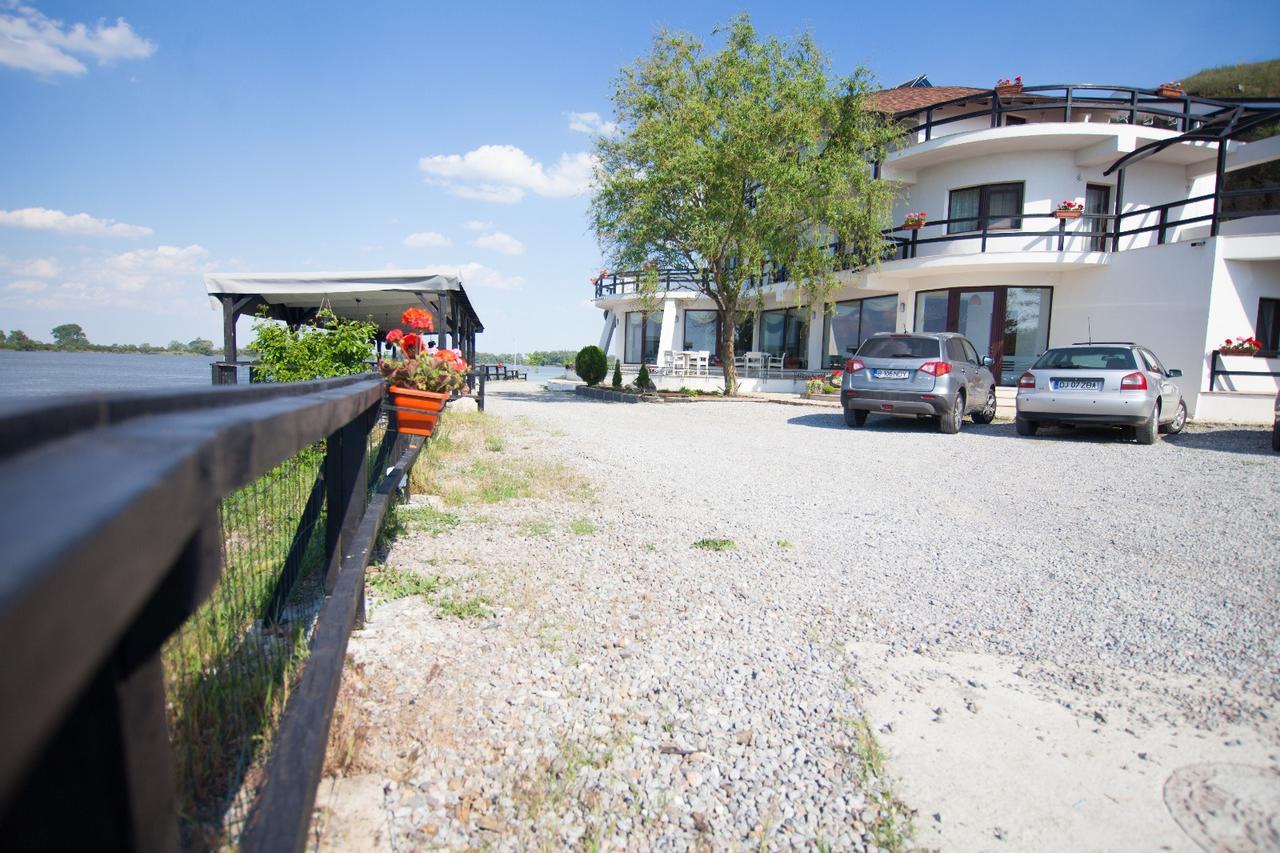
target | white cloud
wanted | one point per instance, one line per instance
(33, 268)
(477, 225)
(504, 173)
(499, 242)
(160, 280)
(592, 123)
(478, 275)
(30, 41)
(43, 219)
(426, 240)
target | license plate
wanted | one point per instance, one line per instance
(1077, 384)
(879, 373)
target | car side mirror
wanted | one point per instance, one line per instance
(987, 361)
(1174, 373)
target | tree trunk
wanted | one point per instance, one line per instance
(728, 336)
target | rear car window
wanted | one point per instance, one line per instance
(1087, 358)
(893, 346)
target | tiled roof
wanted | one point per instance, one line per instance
(905, 100)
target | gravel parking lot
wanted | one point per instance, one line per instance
(631, 689)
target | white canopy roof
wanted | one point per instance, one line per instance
(380, 296)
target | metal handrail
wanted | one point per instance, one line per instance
(111, 540)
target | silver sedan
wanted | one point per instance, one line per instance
(1111, 384)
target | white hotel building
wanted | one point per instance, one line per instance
(1165, 252)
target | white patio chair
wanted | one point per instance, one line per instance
(701, 362)
(775, 362)
(670, 365)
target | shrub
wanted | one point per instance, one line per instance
(617, 376)
(591, 365)
(643, 382)
(331, 347)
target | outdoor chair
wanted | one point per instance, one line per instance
(700, 362)
(669, 363)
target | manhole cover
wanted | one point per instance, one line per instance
(1226, 806)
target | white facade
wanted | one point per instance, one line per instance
(1174, 288)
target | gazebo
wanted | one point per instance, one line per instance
(378, 297)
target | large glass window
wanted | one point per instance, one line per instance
(644, 330)
(784, 333)
(703, 330)
(997, 205)
(931, 311)
(1268, 328)
(855, 321)
(1026, 330)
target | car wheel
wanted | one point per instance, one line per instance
(950, 422)
(854, 417)
(1146, 432)
(1179, 420)
(1025, 427)
(987, 413)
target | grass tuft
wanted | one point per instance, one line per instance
(390, 583)
(475, 607)
(715, 544)
(582, 527)
(427, 519)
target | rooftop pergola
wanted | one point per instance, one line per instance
(378, 297)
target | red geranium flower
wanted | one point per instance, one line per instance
(394, 336)
(411, 343)
(416, 318)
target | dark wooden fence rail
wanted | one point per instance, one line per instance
(111, 539)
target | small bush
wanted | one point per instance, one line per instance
(591, 365)
(617, 376)
(643, 382)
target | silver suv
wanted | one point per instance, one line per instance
(933, 375)
(1111, 384)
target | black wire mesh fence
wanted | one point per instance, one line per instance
(229, 668)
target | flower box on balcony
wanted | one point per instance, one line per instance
(1169, 92)
(1067, 214)
(913, 226)
(1010, 89)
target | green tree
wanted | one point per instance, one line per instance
(18, 340)
(332, 347)
(201, 346)
(70, 336)
(617, 375)
(732, 159)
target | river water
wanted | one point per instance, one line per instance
(26, 374)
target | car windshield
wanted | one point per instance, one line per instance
(1087, 358)
(899, 346)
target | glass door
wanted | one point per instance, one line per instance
(1097, 203)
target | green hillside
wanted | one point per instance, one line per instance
(1253, 79)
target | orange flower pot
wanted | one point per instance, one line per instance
(421, 409)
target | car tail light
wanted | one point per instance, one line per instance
(1134, 382)
(1027, 380)
(853, 365)
(936, 369)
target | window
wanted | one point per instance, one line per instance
(704, 331)
(1087, 358)
(1097, 204)
(853, 322)
(784, 334)
(1013, 121)
(900, 346)
(1268, 328)
(931, 311)
(643, 333)
(955, 350)
(997, 205)
(970, 354)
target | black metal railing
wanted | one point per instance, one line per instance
(1217, 368)
(176, 565)
(1180, 112)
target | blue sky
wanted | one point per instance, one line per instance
(148, 142)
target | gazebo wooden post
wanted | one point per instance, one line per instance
(440, 311)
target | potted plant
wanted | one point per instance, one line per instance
(1005, 86)
(915, 221)
(1172, 89)
(1069, 210)
(1240, 346)
(422, 381)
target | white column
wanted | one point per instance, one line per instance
(666, 340)
(610, 323)
(816, 360)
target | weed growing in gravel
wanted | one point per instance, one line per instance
(649, 548)
(783, 543)
(581, 527)
(893, 827)
(715, 544)
(390, 583)
(427, 519)
(475, 607)
(493, 443)
(536, 528)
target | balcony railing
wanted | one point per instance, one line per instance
(1077, 102)
(904, 243)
